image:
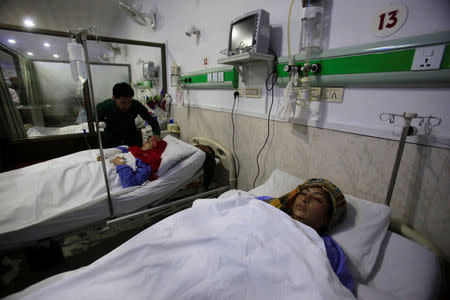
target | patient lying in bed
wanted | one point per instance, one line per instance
(321, 205)
(135, 165)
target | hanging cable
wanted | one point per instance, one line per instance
(274, 76)
(236, 159)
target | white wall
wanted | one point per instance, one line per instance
(350, 23)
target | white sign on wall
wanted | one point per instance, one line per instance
(390, 19)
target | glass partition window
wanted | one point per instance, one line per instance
(145, 69)
(50, 102)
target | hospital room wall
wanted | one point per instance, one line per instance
(360, 164)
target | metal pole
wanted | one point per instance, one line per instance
(398, 158)
(83, 34)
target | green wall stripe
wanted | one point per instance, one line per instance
(391, 61)
(445, 64)
(231, 79)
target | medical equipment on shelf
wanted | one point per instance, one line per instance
(408, 130)
(250, 33)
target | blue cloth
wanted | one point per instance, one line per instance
(128, 177)
(338, 262)
(264, 198)
(123, 149)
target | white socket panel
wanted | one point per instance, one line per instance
(428, 58)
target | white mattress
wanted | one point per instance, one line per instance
(96, 209)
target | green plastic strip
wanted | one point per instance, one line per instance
(392, 61)
(199, 79)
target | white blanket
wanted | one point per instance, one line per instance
(39, 192)
(228, 248)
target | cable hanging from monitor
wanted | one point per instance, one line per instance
(274, 75)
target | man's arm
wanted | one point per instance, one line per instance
(142, 111)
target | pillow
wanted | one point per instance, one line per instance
(175, 151)
(278, 184)
(361, 232)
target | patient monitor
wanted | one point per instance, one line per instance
(250, 33)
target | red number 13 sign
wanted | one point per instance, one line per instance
(390, 19)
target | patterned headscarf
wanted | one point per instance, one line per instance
(338, 204)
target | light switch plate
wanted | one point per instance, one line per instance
(253, 93)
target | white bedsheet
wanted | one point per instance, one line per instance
(68, 192)
(226, 248)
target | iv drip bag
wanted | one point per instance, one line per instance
(311, 37)
(77, 62)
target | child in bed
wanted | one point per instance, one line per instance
(139, 164)
(321, 205)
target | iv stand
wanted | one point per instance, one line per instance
(398, 158)
(83, 33)
(408, 130)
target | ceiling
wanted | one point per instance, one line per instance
(34, 43)
(63, 15)
(60, 15)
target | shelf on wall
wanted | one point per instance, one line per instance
(244, 58)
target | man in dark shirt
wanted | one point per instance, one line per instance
(119, 114)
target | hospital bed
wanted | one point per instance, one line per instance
(68, 194)
(384, 264)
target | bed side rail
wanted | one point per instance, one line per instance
(225, 156)
(396, 225)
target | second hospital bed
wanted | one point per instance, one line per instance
(236, 247)
(67, 193)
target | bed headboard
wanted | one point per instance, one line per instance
(225, 156)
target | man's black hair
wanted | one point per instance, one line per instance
(122, 89)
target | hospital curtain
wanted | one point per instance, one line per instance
(31, 86)
(11, 125)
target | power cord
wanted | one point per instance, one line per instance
(237, 169)
(274, 76)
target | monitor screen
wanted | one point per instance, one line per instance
(243, 32)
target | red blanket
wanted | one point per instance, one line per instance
(151, 157)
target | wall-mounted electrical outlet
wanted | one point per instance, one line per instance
(315, 93)
(333, 94)
(253, 93)
(428, 58)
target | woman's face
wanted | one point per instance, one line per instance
(311, 207)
